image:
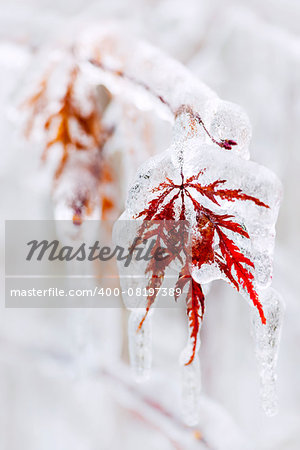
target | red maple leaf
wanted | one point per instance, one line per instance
(168, 205)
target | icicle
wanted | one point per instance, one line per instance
(77, 320)
(267, 339)
(191, 384)
(140, 343)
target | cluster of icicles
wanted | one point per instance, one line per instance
(210, 138)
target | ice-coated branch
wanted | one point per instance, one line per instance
(134, 68)
(139, 63)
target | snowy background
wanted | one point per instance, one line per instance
(64, 377)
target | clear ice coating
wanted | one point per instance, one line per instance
(231, 188)
(267, 338)
(140, 343)
(237, 199)
(78, 185)
(229, 121)
(214, 164)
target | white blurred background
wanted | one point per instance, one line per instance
(64, 378)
